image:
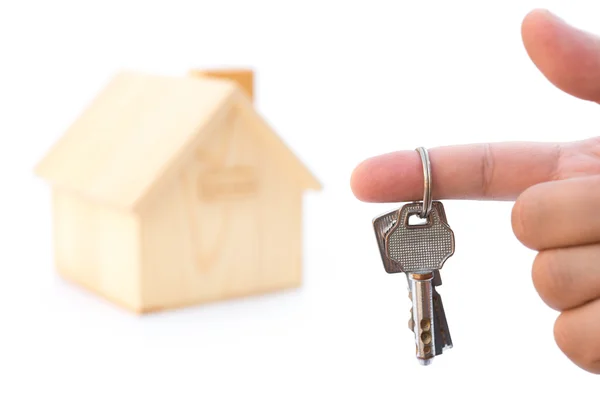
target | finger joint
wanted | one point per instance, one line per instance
(487, 169)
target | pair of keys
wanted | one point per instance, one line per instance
(420, 250)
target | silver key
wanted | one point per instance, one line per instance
(420, 251)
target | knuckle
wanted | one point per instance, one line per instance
(594, 367)
(550, 279)
(521, 219)
(578, 351)
(562, 337)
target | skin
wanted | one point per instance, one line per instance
(541, 178)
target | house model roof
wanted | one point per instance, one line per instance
(141, 126)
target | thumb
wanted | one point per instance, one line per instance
(568, 57)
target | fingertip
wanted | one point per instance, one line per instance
(390, 177)
(537, 30)
(359, 181)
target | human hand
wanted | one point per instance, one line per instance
(544, 179)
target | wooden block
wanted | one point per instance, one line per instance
(172, 192)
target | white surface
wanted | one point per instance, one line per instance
(340, 82)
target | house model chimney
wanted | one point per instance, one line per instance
(243, 77)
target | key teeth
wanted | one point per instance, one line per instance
(443, 340)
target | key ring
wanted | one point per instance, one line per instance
(427, 200)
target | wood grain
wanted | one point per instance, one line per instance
(226, 248)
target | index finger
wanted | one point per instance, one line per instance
(492, 171)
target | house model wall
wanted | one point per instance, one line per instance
(174, 191)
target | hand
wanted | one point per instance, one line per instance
(544, 179)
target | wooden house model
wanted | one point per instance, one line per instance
(173, 191)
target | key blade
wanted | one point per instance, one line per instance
(442, 338)
(423, 317)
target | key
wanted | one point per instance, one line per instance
(443, 340)
(419, 251)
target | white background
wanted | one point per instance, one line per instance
(340, 81)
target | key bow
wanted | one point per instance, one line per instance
(419, 248)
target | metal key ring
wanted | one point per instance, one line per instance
(427, 200)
